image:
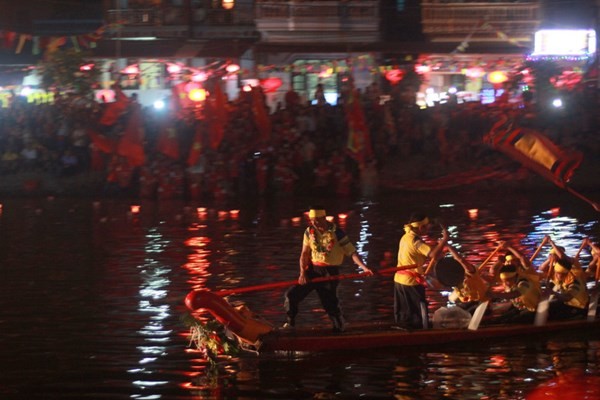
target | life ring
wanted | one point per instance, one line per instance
(241, 322)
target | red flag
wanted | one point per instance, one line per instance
(359, 140)
(217, 114)
(131, 144)
(180, 100)
(261, 115)
(101, 142)
(167, 142)
(196, 149)
(114, 110)
(534, 151)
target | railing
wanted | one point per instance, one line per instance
(169, 16)
(482, 19)
(299, 11)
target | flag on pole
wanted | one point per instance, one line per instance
(131, 144)
(114, 110)
(359, 140)
(167, 142)
(217, 116)
(261, 115)
(196, 149)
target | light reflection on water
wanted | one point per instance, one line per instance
(93, 298)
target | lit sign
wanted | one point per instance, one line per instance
(564, 42)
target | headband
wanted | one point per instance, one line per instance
(508, 258)
(560, 268)
(417, 224)
(506, 275)
(316, 213)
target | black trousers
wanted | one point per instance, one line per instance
(327, 292)
(410, 306)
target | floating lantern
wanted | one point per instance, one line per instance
(270, 85)
(330, 218)
(342, 216)
(497, 77)
(394, 76)
(197, 95)
(234, 213)
(296, 221)
(473, 212)
(228, 4)
(135, 209)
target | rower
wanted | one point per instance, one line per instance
(522, 290)
(473, 289)
(570, 297)
(557, 254)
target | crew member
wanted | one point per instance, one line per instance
(410, 303)
(324, 247)
(522, 290)
(473, 289)
(569, 291)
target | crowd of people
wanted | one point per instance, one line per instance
(307, 150)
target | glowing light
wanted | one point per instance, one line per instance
(234, 213)
(228, 4)
(173, 68)
(135, 209)
(497, 77)
(296, 221)
(86, 67)
(422, 69)
(342, 216)
(197, 95)
(247, 88)
(557, 103)
(131, 70)
(473, 213)
(223, 214)
(394, 76)
(159, 104)
(270, 85)
(330, 218)
(475, 72)
(232, 68)
(106, 95)
(199, 77)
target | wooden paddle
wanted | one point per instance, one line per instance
(594, 298)
(276, 285)
(492, 254)
(542, 311)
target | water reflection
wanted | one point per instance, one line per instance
(93, 295)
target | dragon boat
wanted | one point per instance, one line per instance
(258, 335)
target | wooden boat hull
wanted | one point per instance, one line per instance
(382, 335)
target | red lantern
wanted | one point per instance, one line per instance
(270, 85)
(394, 75)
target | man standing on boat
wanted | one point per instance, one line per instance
(324, 247)
(410, 303)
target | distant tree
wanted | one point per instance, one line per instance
(64, 71)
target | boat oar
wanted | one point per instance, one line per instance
(477, 316)
(537, 251)
(276, 285)
(492, 254)
(542, 311)
(593, 306)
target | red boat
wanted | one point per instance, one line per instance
(261, 336)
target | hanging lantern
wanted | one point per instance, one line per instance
(474, 72)
(197, 95)
(270, 85)
(174, 68)
(497, 77)
(228, 4)
(394, 75)
(232, 68)
(105, 95)
(131, 70)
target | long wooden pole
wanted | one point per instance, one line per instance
(492, 254)
(277, 285)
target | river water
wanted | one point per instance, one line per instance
(92, 298)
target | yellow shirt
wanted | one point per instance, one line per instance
(530, 294)
(411, 250)
(474, 288)
(328, 248)
(575, 285)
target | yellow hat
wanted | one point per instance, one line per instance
(316, 213)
